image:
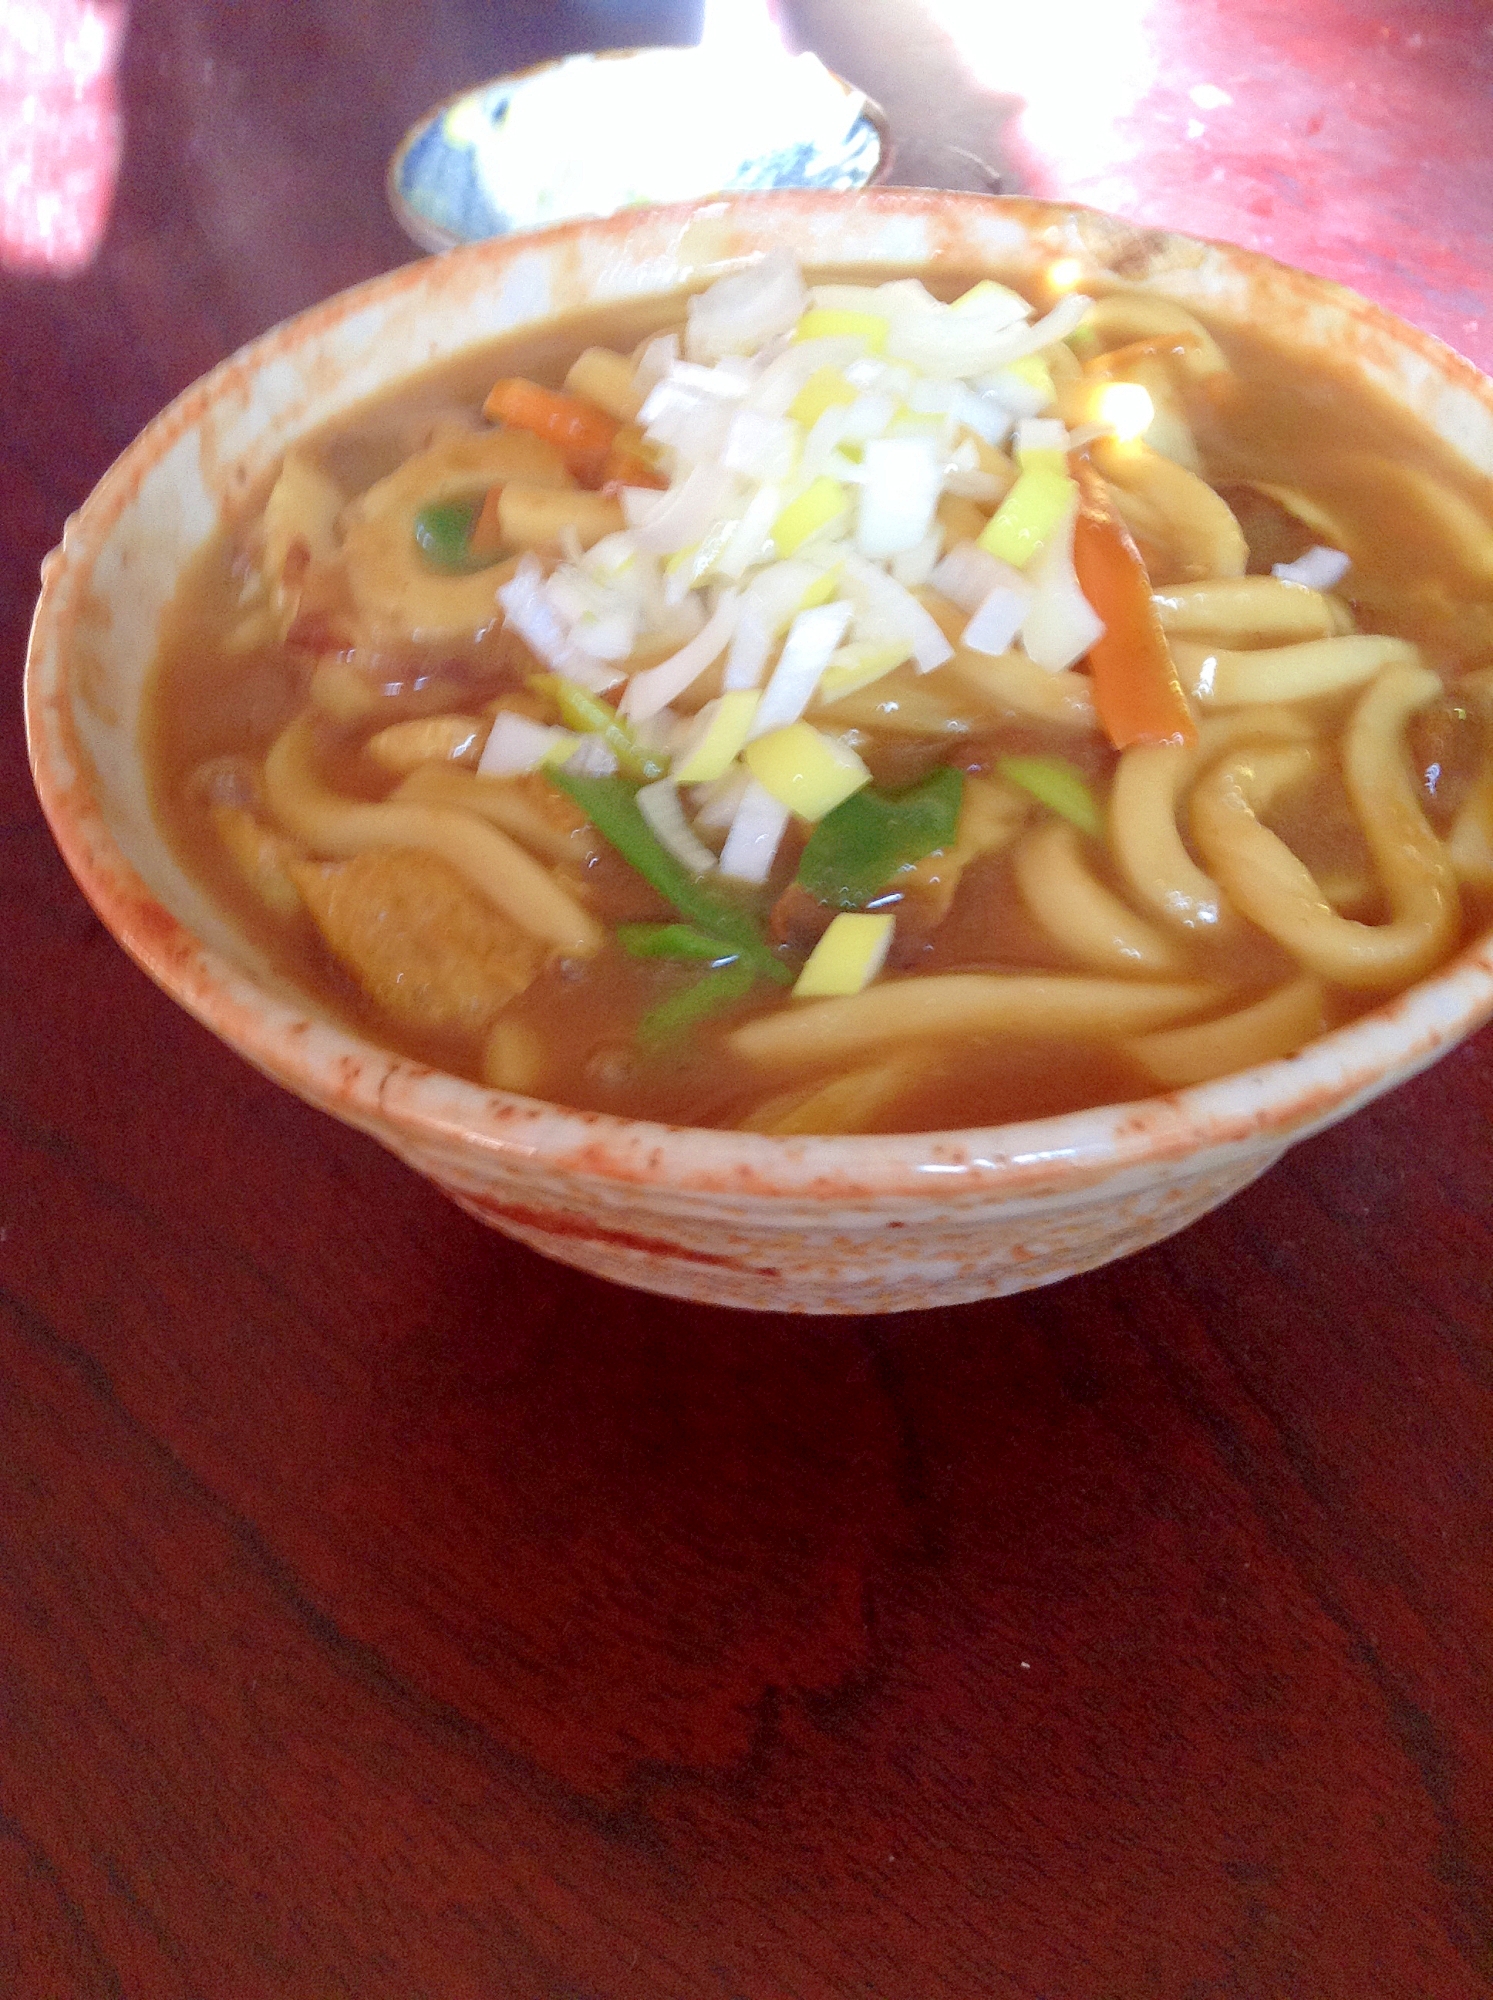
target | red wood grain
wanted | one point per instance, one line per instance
(387, 1613)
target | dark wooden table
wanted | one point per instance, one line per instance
(387, 1612)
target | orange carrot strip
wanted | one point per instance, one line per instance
(486, 537)
(582, 434)
(1136, 690)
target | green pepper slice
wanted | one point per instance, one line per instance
(443, 531)
(856, 849)
(590, 715)
(611, 806)
(674, 941)
(1058, 785)
(664, 1024)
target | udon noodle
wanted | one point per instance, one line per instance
(848, 708)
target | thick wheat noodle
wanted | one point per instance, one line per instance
(947, 1004)
(1087, 922)
(1470, 843)
(496, 801)
(1249, 611)
(1173, 507)
(849, 1103)
(1388, 485)
(1279, 893)
(1143, 833)
(514, 1057)
(1170, 429)
(1328, 528)
(497, 867)
(1222, 678)
(426, 739)
(1278, 1025)
(899, 704)
(1007, 683)
(1122, 317)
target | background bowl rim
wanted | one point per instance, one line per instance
(431, 237)
(332, 1066)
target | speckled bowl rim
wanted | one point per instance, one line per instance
(432, 237)
(339, 1070)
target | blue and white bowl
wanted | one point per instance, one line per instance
(591, 134)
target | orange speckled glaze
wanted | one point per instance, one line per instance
(811, 1225)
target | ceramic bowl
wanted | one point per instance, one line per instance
(811, 1225)
(570, 138)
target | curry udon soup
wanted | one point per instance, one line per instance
(844, 709)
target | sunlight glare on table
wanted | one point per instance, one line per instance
(60, 129)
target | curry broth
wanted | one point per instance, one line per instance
(210, 702)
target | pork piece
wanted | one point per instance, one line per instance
(418, 939)
(799, 919)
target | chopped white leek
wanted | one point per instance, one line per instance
(612, 557)
(1014, 392)
(820, 516)
(516, 744)
(811, 642)
(1318, 569)
(904, 476)
(656, 687)
(709, 744)
(715, 805)
(659, 805)
(737, 314)
(748, 543)
(931, 399)
(947, 341)
(821, 448)
(848, 957)
(655, 361)
(781, 589)
(693, 425)
(868, 416)
(751, 648)
(913, 567)
(1061, 624)
(756, 833)
(593, 757)
(667, 522)
(761, 447)
(859, 664)
(600, 621)
(884, 610)
(986, 416)
(721, 380)
(996, 304)
(1039, 434)
(999, 617)
(777, 387)
(968, 574)
(527, 608)
(975, 485)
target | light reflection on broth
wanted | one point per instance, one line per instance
(1227, 901)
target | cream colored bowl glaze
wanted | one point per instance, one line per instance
(808, 1225)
